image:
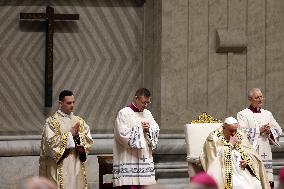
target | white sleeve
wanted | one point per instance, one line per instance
(130, 136)
(250, 132)
(153, 132)
(70, 141)
(275, 128)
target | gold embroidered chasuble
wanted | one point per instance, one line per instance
(216, 159)
(57, 162)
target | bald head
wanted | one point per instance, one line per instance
(38, 183)
(281, 179)
(202, 180)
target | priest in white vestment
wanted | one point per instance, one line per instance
(230, 159)
(261, 129)
(66, 140)
(135, 136)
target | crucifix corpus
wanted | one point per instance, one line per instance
(49, 18)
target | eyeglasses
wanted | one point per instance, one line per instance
(259, 98)
(146, 102)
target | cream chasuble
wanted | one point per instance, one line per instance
(221, 160)
(250, 123)
(133, 161)
(59, 159)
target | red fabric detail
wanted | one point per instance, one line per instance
(203, 178)
(255, 110)
(134, 108)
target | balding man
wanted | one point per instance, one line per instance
(281, 179)
(38, 183)
(230, 159)
(202, 181)
(261, 129)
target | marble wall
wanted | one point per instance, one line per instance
(168, 46)
(103, 57)
(194, 78)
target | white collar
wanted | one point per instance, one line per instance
(65, 115)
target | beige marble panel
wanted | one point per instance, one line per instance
(152, 53)
(256, 46)
(99, 57)
(236, 98)
(148, 47)
(174, 65)
(197, 58)
(217, 69)
(156, 64)
(274, 58)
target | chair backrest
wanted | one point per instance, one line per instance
(196, 134)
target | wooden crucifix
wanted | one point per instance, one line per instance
(49, 18)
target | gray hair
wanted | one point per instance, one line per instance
(37, 182)
(251, 91)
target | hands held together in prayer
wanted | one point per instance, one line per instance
(81, 150)
(74, 130)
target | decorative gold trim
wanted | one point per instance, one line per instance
(84, 175)
(81, 133)
(62, 147)
(206, 118)
(60, 175)
(228, 157)
(54, 123)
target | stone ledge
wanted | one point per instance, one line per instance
(103, 143)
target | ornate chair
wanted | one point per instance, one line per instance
(195, 135)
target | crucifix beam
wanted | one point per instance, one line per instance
(49, 18)
(42, 16)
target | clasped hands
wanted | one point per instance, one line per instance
(265, 130)
(145, 126)
(74, 130)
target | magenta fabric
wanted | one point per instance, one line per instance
(129, 187)
(255, 110)
(203, 178)
(134, 108)
(281, 174)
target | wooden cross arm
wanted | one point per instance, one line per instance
(32, 16)
(66, 16)
(42, 16)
